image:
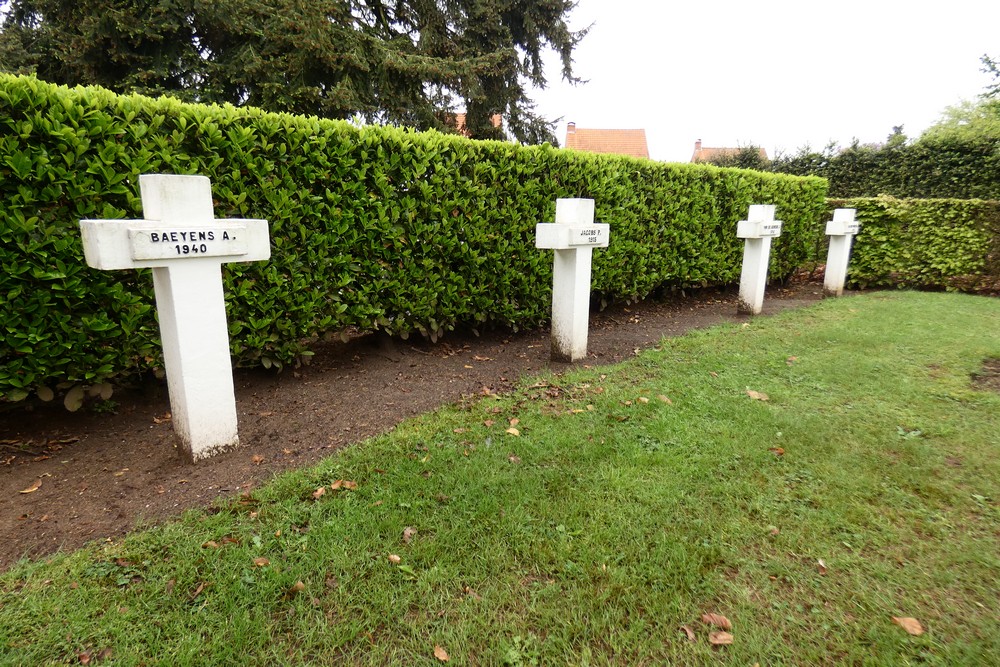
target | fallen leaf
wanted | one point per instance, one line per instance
(513, 431)
(665, 399)
(84, 658)
(34, 487)
(160, 420)
(261, 562)
(713, 374)
(757, 395)
(643, 399)
(773, 530)
(257, 459)
(689, 632)
(471, 593)
(459, 430)
(394, 559)
(821, 565)
(73, 400)
(198, 590)
(467, 365)
(777, 451)
(488, 423)
(104, 654)
(319, 492)
(441, 654)
(514, 458)
(515, 421)
(911, 625)
(211, 544)
(478, 358)
(408, 534)
(295, 589)
(720, 639)
(718, 620)
(791, 360)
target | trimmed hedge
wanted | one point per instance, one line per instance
(372, 227)
(949, 244)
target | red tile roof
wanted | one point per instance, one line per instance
(706, 154)
(457, 121)
(617, 142)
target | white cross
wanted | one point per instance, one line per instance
(185, 245)
(573, 236)
(758, 230)
(841, 231)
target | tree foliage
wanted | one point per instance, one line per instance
(405, 62)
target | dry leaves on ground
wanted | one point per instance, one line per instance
(911, 625)
(686, 629)
(441, 654)
(408, 534)
(757, 395)
(718, 620)
(34, 487)
(720, 638)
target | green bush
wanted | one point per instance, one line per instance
(372, 227)
(926, 243)
(961, 167)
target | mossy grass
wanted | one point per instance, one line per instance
(626, 502)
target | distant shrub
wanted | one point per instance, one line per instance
(926, 243)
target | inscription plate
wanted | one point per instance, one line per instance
(752, 229)
(180, 243)
(584, 236)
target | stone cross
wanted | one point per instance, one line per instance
(573, 236)
(758, 230)
(185, 246)
(841, 231)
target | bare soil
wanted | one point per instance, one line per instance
(98, 475)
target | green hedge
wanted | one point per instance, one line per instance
(926, 243)
(373, 227)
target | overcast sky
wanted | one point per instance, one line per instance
(776, 73)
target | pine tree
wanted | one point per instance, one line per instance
(407, 62)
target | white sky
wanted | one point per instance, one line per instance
(776, 73)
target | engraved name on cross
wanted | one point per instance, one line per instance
(185, 246)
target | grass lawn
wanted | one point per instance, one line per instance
(808, 476)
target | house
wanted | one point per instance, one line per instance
(616, 142)
(704, 154)
(457, 121)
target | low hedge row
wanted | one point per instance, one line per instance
(371, 227)
(926, 243)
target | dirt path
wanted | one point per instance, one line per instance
(100, 474)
